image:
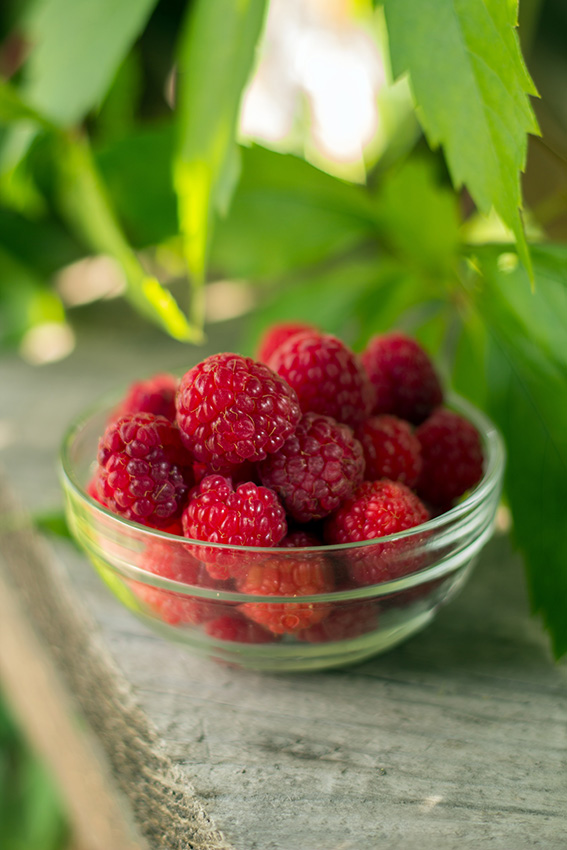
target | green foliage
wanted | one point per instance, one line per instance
(215, 57)
(30, 809)
(84, 201)
(136, 170)
(286, 215)
(526, 366)
(25, 301)
(471, 87)
(427, 230)
(79, 47)
(13, 108)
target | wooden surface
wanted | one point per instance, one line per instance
(456, 739)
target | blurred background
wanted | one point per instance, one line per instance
(341, 211)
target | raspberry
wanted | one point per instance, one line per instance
(144, 473)
(241, 474)
(174, 562)
(174, 608)
(299, 539)
(377, 509)
(452, 457)
(327, 377)
(247, 516)
(346, 621)
(154, 395)
(276, 335)
(316, 469)
(92, 487)
(403, 376)
(287, 576)
(231, 409)
(237, 628)
(391, 450)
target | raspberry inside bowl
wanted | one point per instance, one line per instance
(280, 609)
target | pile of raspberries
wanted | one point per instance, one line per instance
(306, 446)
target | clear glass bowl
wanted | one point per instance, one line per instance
(187, 590)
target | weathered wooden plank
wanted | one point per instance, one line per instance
(457, 738)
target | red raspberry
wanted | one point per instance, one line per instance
(144, 473)
(403, 376)
(92, 487)
(346, 621)
(452, 455)
(391, 449)
(276, 335)
(247, 516)
(300, 539)
(377, 509)
(167, 559)
(155, 395)
(287, 576)
(327, 377)
(237, 628)
(241, 474)
(316, 469)
(231, 409)
(174, 608)
(175, 562)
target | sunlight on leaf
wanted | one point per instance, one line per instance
(215, 57)
(470, 86)
(86, 205)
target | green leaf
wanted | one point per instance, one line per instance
(353, 299)
(117, 115)
(78, 47)
(286, 215)
(43, 244)
(25, 299)
(327, 298)
(13, 108)
(470, 85)
(53, 522)
(137, 172)
(527, 379)
(216, 54)
(30, 806)
(418, 216)
(86, 205)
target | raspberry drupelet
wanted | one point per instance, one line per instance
(300, 539)
(176, 563)
(378, 509)
(391, 449)
(403, 377)
(238, 628)
(326, 375)
(247, 516)
(144, 473)
(277, 334)
(280, 575)
(318, 467)
(154, 395)
(347, 620)
(231, 409)
(452, 456)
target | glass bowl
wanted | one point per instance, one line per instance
(192, 592)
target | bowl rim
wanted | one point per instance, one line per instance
(495, 457)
